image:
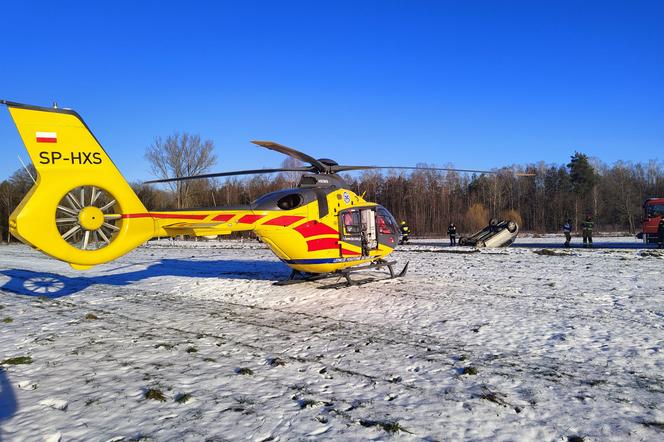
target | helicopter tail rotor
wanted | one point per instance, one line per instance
(80, 209)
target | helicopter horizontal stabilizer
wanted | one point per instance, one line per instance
(201, 229)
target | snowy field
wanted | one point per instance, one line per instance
(192, 341)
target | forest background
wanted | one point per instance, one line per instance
(428, 200)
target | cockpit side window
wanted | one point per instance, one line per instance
(383, 226)
(352, 224)
(290, 202)
(287, 199)
(387, 225)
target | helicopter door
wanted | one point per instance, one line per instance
(369, 228)
(358, 227)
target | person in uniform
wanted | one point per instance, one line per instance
(587, 227)
(452, 231)
(660, 233)
(567, 230)
(405, 232)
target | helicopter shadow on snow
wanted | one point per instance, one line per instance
(53, 285)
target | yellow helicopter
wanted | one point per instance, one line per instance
(83, 212)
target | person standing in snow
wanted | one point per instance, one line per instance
(587, 227)
(452, 231)
(405, 232)
(567, 230)
(660, 233)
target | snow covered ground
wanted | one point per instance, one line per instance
(192, 341)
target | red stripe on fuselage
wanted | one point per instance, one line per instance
(314, 228)
(176, 216)
(136, 215)
(283, 221)
(163, 215)
(223, 218)
(47, 140)
(322, 244)
(250, 219)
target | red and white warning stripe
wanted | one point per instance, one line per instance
(47, 137)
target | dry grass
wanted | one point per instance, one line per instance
(155, 395)
(17, 361)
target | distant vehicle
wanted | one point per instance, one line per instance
(496, 234)
(653, 211)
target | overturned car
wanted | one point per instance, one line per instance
(496, 234)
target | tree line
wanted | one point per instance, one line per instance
(427, 199)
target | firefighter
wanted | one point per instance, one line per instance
(567, 230)
(452, 231)
(405, 232)
(660, 233)
(587, 227)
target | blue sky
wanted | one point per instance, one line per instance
(477, 84)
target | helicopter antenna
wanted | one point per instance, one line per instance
(26, 169)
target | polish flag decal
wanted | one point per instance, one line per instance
(47, 137)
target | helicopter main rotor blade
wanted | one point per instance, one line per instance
(446, 169)
(232, 173)
(320, 167)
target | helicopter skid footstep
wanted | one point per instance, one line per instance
(298, 277)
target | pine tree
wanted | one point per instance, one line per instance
(583, 178)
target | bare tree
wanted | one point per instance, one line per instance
(152, 197)
(477, 216)
(5, 209)
(178, 156)
(12, 192)
(625, 199)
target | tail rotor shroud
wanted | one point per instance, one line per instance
(88, 218)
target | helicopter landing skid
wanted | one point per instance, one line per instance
(297, 277)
